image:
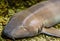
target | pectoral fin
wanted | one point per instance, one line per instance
(51, 31)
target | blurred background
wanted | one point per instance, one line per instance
(10, 7)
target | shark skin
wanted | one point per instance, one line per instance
(37, 19)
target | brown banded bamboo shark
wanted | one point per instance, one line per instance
(35, 20)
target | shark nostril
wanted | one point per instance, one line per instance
(4, 35)
(7, 36)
